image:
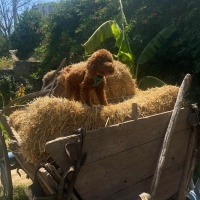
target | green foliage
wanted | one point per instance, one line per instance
(6, 63)
(59, 30)
(106, 30)
(29, 83)
(176, 57)
(157, 42)
(116, 30)
(73, 22)
(180, 55)
(68, 27)
(8, 87)
(18, 193)
(149, 52)
(111, 29)
(149, 82)
(4, 46)
(27, 34)
(124, 53)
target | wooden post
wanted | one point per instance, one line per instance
(135, 113)
(52, 77)
(171, 126)
(189, 165)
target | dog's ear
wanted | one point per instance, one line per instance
(97, 61)
(93, 64)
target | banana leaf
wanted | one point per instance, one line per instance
(157, 42)
(149, 82)
(106, 30)
(121, 18)
(124, 56)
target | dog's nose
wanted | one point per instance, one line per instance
(108, 72)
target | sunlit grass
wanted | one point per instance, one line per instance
(6, 63)
(18, 193)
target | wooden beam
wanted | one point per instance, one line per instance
(171, 127)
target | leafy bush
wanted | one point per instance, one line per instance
(4, 46)
(9, 86)
(6, 87)
(27, 34)
(6, 63)
(179, 56)
(118, 31)
(68, 27)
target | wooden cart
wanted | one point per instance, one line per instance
(154, 154)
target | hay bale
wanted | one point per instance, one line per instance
(119, 87)
(47, 118)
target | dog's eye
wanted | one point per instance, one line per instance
(111, 70)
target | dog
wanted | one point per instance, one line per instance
(78, 82)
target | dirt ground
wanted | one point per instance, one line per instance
(17, 180)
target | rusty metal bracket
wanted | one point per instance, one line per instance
(76, 158)
(38, 166)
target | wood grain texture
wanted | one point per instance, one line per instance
(170, 181)
(100, 179)
(108, 141)
(122, 156)
(190, 164)
(168, 135)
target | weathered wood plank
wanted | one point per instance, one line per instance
(190, 164)
(170, 181)
(97, 180)
(170, 130)
(108, 141)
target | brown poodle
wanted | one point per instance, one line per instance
(78, 82)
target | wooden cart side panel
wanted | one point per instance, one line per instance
(170, 181)
(108, 141)
(120, 157)
(100, 179)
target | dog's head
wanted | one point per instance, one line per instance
(100, 63)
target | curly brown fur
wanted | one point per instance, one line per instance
(78, 82)
(120, 86)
